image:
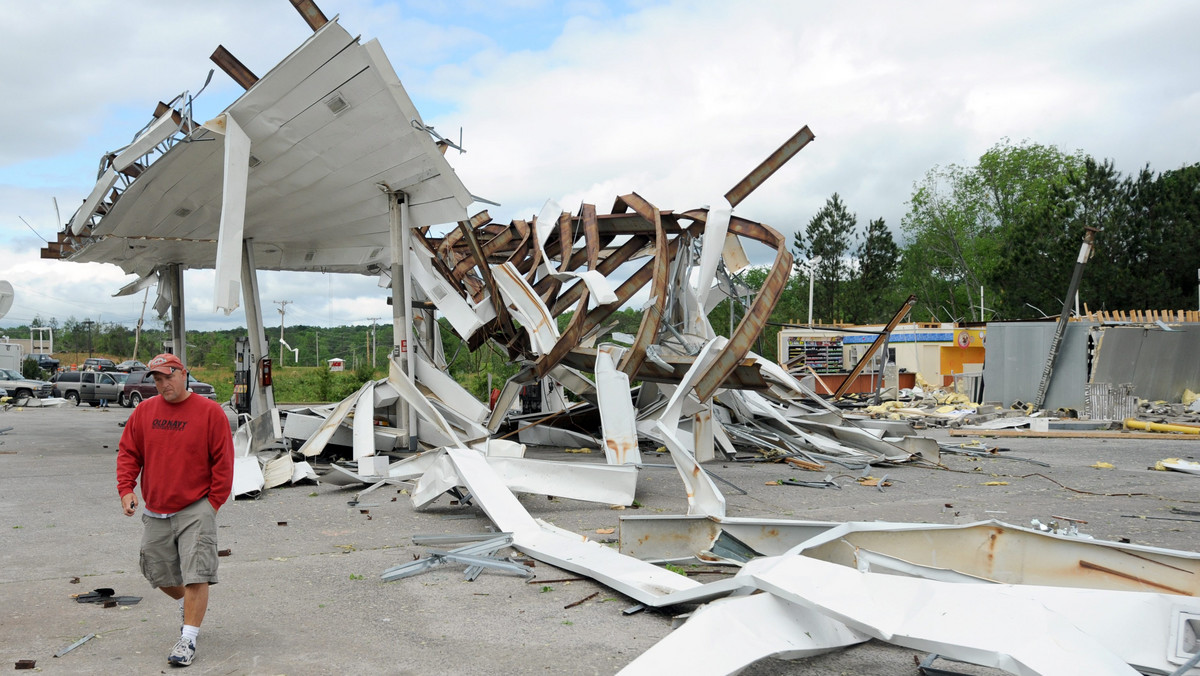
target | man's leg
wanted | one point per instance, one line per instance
(195, 603)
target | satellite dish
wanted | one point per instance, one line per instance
(6, 297)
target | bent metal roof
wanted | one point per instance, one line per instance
(330, 128)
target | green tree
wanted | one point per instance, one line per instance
(877, 260)
(973, 228)
(827, 238)
(1038, 265)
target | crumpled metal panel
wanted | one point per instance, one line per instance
(1160, 364)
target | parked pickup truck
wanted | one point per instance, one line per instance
(89, 386)
(20, 387)
(44, 361)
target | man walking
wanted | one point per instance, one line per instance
(182, 448)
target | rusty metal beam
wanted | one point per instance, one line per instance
(596, 317)
(746, 375)
(233, 68)
(591, 234)
(312, 14)
(633, 224)
(612, 262)
(445, 248)
(652, 317)
(879, 341)
(752, 323)
(488, 280)
(769, 166)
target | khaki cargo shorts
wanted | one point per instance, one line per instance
(182, 548)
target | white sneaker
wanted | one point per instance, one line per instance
(182, 654)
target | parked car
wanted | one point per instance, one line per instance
(120, 378)
(19, 386)
(44, 361)
(139, 386)
(99, 364)
(131, 365)
(89, 386)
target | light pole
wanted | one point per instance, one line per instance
(812, 268)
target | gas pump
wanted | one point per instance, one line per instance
(243, 375)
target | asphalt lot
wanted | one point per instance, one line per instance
(306, 598)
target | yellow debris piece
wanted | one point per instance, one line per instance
(605, 531)
(954, 398)
(871, 481)
(1189, 396)
(1104, 465)
(995, 483)
(577, 450)
(884, 407)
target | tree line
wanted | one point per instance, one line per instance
(999, 240)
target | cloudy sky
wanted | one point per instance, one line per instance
(584, 100)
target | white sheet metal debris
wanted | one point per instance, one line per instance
(726, 635)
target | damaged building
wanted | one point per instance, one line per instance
(242, 193)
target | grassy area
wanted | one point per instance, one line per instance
(307, 384)
(293, 384)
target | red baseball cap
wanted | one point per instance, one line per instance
(164, 362)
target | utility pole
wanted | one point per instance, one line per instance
(137, 336)
(87, 323)
(374, 343)
(282, 313)
(1085, 252)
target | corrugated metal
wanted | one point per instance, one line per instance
(1016, 355)
(1160, 364)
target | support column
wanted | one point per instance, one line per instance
(406, 225)
(178, 321)
(262, 399)
(401, 324)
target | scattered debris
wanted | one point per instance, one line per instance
(74, 645)
(1178, 465)
(581, 601)
(106, 596)
(477, 557)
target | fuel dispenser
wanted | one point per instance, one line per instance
(243, 375)
(250, 379)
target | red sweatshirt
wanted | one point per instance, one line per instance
(183, 451)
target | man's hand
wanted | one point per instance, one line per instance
(129, 503)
